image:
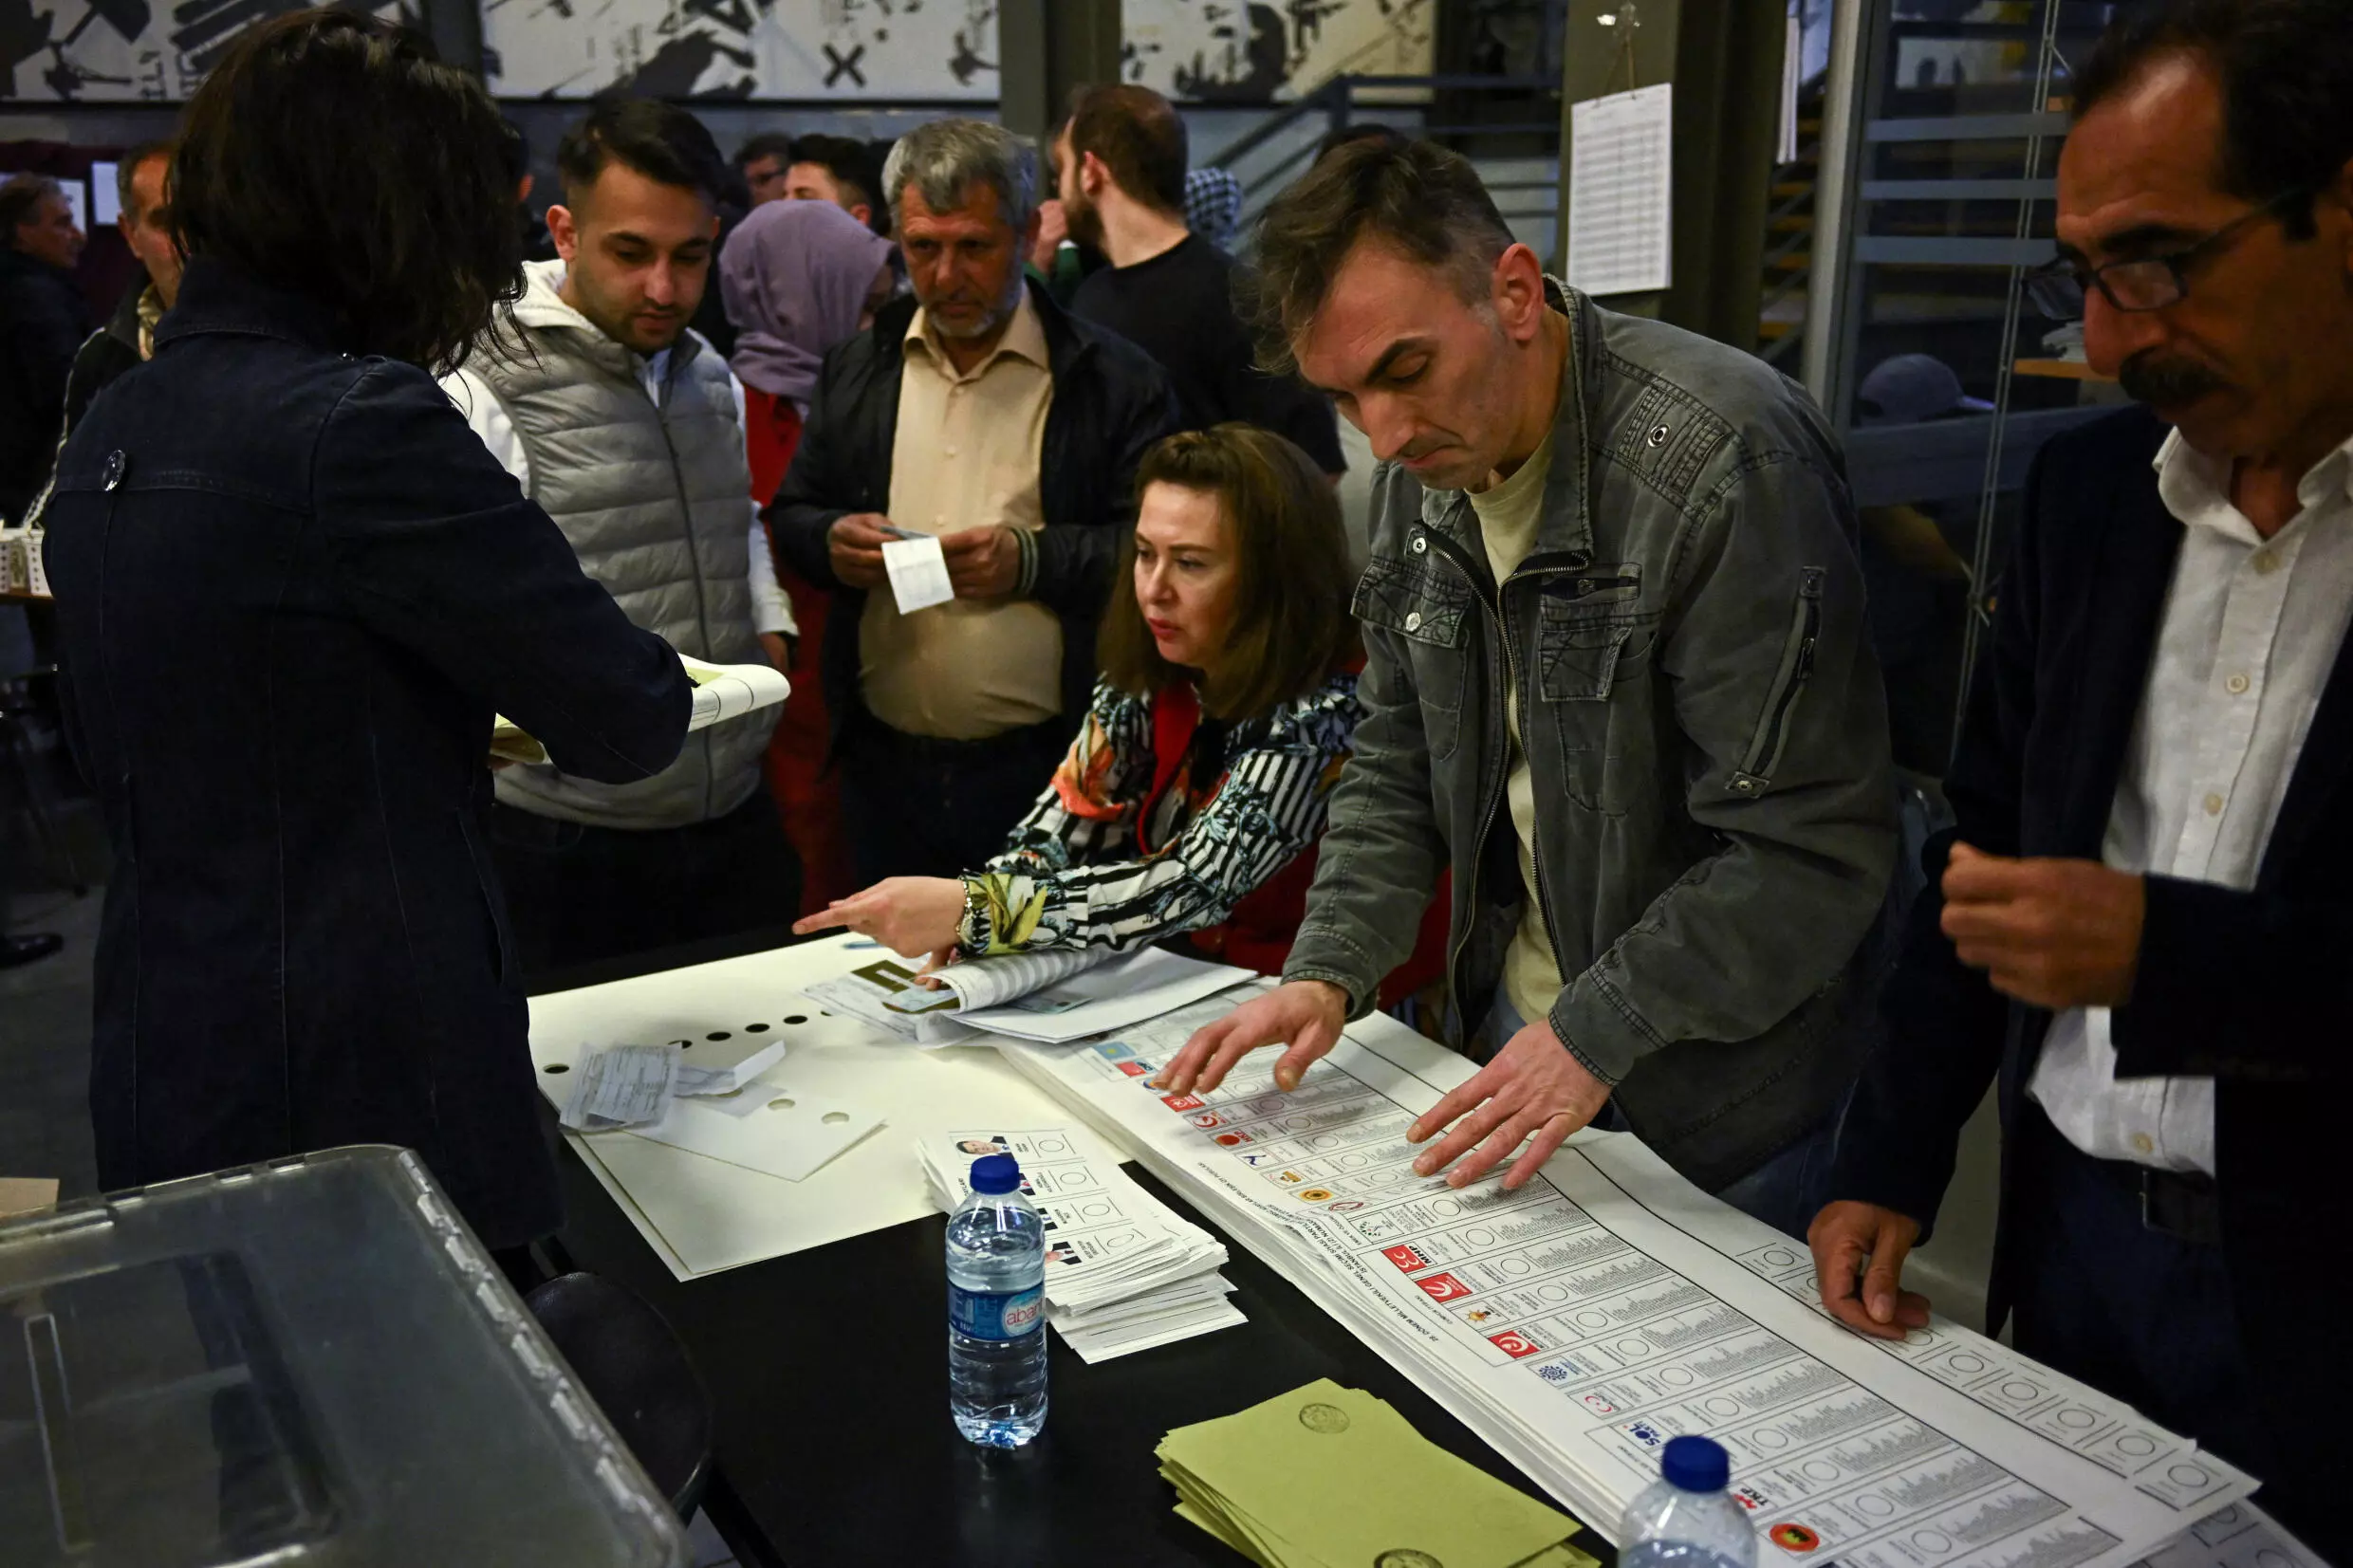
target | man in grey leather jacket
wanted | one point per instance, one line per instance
(1656, 758)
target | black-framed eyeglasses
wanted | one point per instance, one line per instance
(2060, 287)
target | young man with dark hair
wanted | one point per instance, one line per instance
(628, 429)
(1120, 160)
(2139, 927)
(838, 169)
(1615, 679)
(763, 160)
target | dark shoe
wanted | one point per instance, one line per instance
(16, 951)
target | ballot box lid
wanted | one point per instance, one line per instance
(308, 1362)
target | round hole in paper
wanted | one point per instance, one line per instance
(755, 1028)
(780, 1103)
(836, 1119)
(718, 1034)
(554, 1067)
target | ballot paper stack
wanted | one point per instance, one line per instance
(1123, 1272)
(1325, 1475)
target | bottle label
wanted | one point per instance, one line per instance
(996, 1314)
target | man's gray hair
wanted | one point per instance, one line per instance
(21, 195)
(944, 159)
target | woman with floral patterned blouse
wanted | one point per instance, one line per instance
(1190, 804)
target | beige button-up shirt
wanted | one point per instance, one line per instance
(966, 455)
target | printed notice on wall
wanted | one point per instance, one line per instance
(1621, 176)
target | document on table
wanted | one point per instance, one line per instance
(1124, 1271)
(919, 572)
(884, 992)
(1089, 996)
(1621, 179)
(1326, 1474)
(1608, 1305)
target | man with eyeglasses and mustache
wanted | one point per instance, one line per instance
(2142, 926)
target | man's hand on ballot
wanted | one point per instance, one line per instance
(1306, 1015)
(1846, 1237)
(1532, 1088)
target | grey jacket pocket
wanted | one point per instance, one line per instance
(1589, 657)
(1771, 736)
(1430, 607)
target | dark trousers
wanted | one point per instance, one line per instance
(576, 895)
(914, 806)
(2136, 1312)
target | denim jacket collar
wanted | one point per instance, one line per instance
(215, 297)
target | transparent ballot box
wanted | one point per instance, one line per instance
(307, 1362)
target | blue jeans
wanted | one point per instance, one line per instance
(1785, 1191)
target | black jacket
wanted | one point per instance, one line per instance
(1111, 403)
(2252, 988)
(291, 589)
(41, 322)
(104, 356)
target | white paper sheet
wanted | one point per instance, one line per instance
(2240, 1536)
(708, 1082)
(1115, 995)
(1582, 1320)
(919, 573)
(724, 692)
(789, 1133)
(1621, 184)
(105, 200)
(882, 991)
(618, 1086)
(985, 982)
(702, 1215)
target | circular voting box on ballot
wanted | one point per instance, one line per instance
(308, 1362)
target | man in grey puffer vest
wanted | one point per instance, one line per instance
(628, 429)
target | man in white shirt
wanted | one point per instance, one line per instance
(2144, 924)
(628, 429)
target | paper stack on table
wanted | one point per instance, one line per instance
(1050, 997)
(1123, 1272)
(1325, 1475)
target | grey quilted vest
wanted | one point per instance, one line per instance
(656, 502)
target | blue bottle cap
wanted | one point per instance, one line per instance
(996, 1175)
(1696, 1463)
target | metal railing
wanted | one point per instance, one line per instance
(1337, 104)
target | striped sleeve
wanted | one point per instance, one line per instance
(1049, 891)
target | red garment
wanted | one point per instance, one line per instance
(807, 797)
(1258, 933)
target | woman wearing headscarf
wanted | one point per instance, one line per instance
(799, 277)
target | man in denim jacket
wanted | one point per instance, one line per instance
(1656, 756)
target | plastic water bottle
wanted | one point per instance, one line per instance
(1687, 1520)
(996, 1309)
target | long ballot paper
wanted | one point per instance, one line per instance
(1607, 1306)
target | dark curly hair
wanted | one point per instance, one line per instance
(332, 156)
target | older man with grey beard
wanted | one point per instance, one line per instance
(978, 413)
